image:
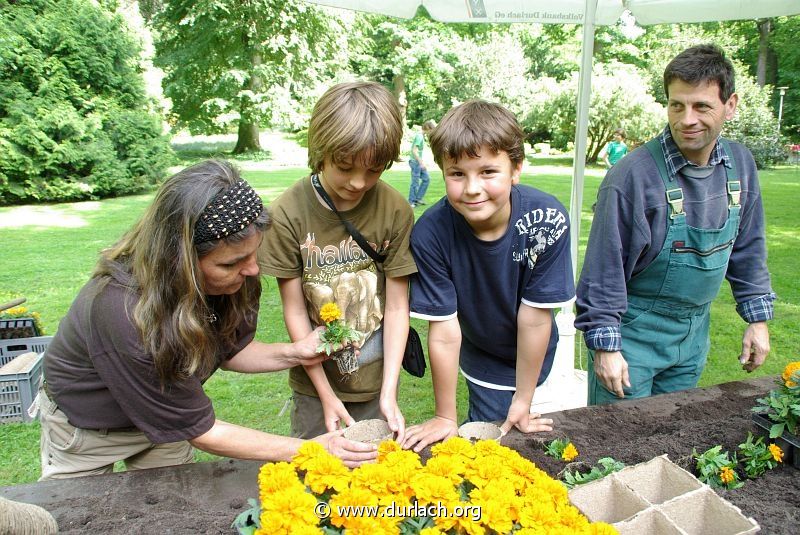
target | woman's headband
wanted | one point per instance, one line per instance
(230, 211)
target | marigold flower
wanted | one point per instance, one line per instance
(788, 371)
(726, 475)
(777, 452)
(570, 452)
(330, 312)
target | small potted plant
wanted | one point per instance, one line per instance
(778, 414)
(338, 333)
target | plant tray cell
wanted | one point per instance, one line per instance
(606, 500)
(790, 444)
(18, 346)
(650, 521)
(704, 511)
(658, 480)
(18, 328)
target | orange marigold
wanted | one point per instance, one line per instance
(789, 371)
(777, 452)
(726, 475)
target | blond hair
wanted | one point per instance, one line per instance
(474, 124)
(351, 119)
(158, 262)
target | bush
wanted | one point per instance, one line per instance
(74, 119)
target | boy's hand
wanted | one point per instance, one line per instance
(352, 453)
(394, 418)
(521, 417)
(436, 429)
(336, 416)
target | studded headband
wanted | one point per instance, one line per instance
(229, 212)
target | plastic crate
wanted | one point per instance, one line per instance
(11, 328)
(17, 346)
(18, 390)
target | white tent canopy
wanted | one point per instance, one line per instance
(565, 386)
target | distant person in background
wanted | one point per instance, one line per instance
(673, 220)
(419, 173)
(615, 149)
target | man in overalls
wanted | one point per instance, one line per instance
(673, 219)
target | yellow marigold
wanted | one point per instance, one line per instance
(777, 452)
(788, 371)
(726, 475)
(570, 517)
(431, 531)
(446, 467)
(349, 497)
(468, 523)
(327, 472)
(601, 528)
(386, 447)
(454, 447)
(16, 311)
(307, 454)
(570, 452)
(277, 477)
(284, 512)
(433, 489)
(329, 312)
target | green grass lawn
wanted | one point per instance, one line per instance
(48, 252)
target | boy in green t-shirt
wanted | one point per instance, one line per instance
(353, 136)
(419, 173)
(615, 149)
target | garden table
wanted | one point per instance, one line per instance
(206, 497)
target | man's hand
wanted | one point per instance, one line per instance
(436, 429)
(520, 416)
(755, 346)
(612, 371)
(352, 453)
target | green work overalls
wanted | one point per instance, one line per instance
(665, 338)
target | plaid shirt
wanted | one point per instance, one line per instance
(677, 161)
(761, 308)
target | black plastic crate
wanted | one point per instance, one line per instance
(790, 444)
(11, 328)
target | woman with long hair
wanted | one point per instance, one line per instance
(172, 301)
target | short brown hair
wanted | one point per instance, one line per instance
(469, 126)
(702, 63)
(351, 118)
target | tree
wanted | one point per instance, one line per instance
(74, 119)
(222, 60)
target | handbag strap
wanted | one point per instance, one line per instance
(356, 235)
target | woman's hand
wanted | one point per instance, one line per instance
(353, 454)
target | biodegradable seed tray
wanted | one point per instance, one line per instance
(658, 497)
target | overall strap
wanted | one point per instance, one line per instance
(674, 195)
(734, 184)
(353, 231)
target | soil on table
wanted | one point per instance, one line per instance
(205, 498)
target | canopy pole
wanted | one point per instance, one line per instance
(581, 131)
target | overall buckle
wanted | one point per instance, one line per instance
(675, 200)
(734, 192)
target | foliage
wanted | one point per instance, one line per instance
(619, 100)
(561, 449)
(782, 405)
(756, 457)
(715, 468)
(463, 487)
(754, 125)
(246, 64)
(75, 122)
(606, 466)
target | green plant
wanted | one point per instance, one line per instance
(715, 468)
(336, 332)
(561, 449)
(756, 457)
(782, 405)
(604, 466)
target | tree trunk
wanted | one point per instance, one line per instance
(248, 140)
(399, 83)
(764, 29)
